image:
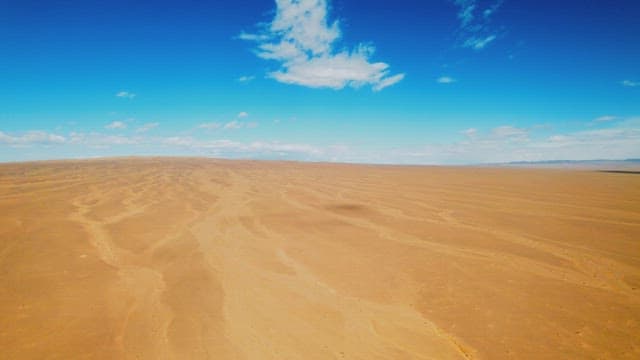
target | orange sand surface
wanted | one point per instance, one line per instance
(166, 258)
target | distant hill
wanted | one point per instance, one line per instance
(601, 164)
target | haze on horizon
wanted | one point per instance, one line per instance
(407, 82)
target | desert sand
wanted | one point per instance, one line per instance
(177, 258)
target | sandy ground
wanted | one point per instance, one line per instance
(195, 259)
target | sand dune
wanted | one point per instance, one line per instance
(210, 259)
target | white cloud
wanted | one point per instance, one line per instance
(612, 143)
(470, 133)
(146, 127)
(243, 115)
(116, 125)
(492, 9)
(619, 140)
(630, 83)
(231, 125)
(92, 140)
(302, 41)
(32, 138)
(510, 133)
(283, 147)
(209, 126)
(388, 81)
(100, 140)
(252, 37)
(606, 118)
(234, 124)
(445, 80)
(232, 148)
(179, 141)
(245, 78)
(478, 43)
(475, 30)
(466, 12)
(125, 94)
(509, 143)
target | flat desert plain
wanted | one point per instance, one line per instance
(178, 258)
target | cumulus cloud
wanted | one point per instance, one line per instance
(629, 83)
(146, 127)
(116, 125)
(125, 94)
(475, 30)
(243, 114)
(445, 80)
(302, 40)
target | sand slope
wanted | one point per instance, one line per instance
(210, 259)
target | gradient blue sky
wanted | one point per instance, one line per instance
(420, 82)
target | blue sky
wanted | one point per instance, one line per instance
(416, 82)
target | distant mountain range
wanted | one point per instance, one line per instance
(595, 164)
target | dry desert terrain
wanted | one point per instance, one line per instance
(177, 258)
